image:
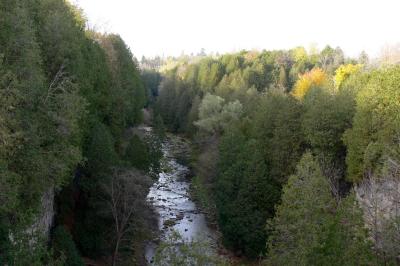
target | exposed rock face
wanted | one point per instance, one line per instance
(45, 218)
(380, 201)
(43, 222)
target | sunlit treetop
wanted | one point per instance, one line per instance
(344, 72)
(299, 54)
(313, 78)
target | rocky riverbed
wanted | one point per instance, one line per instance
(171, 200)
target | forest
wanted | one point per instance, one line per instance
(294, 160)
(297, 155)
(68, 98)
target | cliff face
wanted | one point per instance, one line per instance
(44, 221)
(40, 229)
(380, 201)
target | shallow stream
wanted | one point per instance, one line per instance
(171, 200)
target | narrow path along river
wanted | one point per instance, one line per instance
(171, 200)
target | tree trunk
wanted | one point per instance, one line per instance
(115, 254)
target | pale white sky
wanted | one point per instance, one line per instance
(157, 27)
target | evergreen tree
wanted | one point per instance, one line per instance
(246, 194)
(137, 153)
(60, 97)
(345, 242)
(101, 154)
(326, 116)
(310, 229)
(376, 125)
(302, 216)
(277, 127)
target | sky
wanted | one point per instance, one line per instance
(173, 27)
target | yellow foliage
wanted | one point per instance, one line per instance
(299, 54)
(344, 71)
(315, 77)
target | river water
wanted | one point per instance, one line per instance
(171, 200)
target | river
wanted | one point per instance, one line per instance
(170, 197)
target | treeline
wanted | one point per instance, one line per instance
(67, 97)
(295, 132)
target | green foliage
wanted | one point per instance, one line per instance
(101, 152)
(159, 127)
(209, 113)
(330, 59)
(137, 153)
(26, 248)
(346, 240)
(128, 90)
(231, 76)
(166, 102)
(262, 131)
(344, 72)
(376, 125)
(60, 98)
(391, 239)
(309, 229)
(202, 194)
(16, 75)
(151, 80)
(300, 218)
(68, 94)
(210, 73)
(215, 116)
(326, 117)
(145, 153)
(91, 228)
(10, 184)
(246, 194)
(350, 124)
(127, 96)
(64, 246)
(40, 118)
(277, 127)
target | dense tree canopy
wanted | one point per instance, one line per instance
(343, 111)
(67, 94)
(309, 229)
(290, 136)
(374, 136)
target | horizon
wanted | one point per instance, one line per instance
(250, 26)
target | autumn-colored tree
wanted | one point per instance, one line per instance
(314, 78)
(344, 71)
